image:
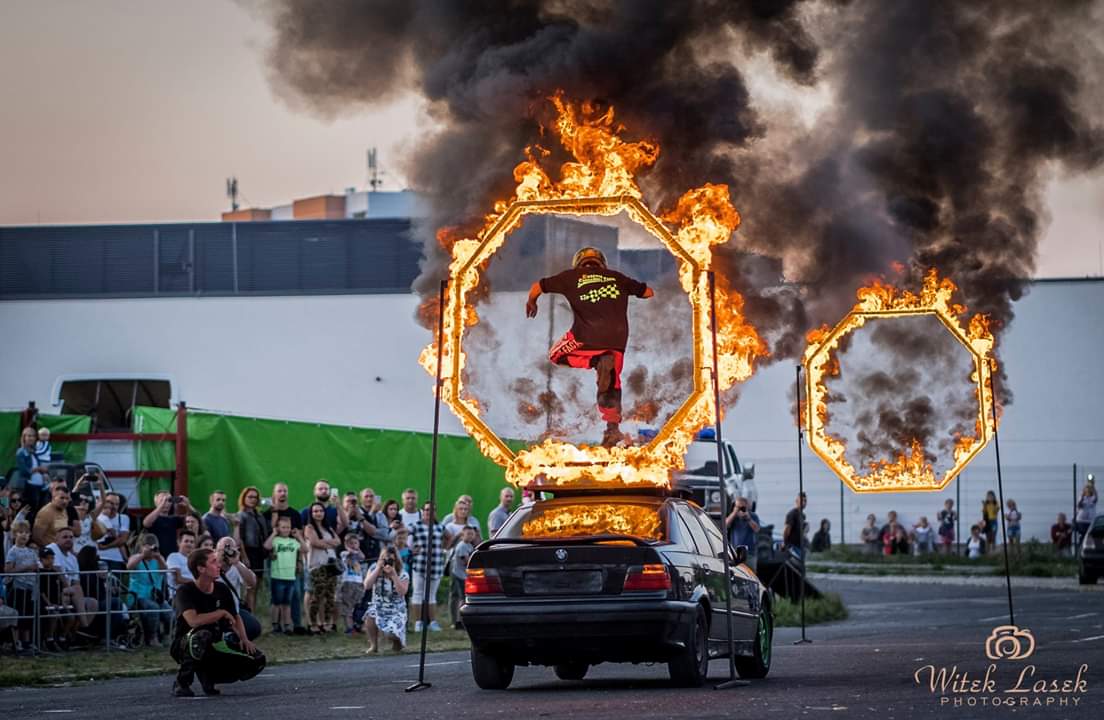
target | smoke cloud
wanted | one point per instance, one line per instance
(944, 123)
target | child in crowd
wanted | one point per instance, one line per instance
(283, 549)
(22, 559)
(350, 589)
(177, 562)
(402, 542)
(1012, 520)
(458, 572)
(43, 451)
(51, 586)
(925, 536)
(975, 546)
(947, 518)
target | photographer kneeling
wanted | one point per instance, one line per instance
(210, 639)
(388, 581)
(240, 579)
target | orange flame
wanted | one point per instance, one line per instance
(593, 519)
(601, 181)
(911, 470)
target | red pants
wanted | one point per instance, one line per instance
(607, 365)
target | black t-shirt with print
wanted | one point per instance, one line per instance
(190, 597)
(600, 300)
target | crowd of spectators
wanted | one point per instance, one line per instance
(896, 537)
(87, 572)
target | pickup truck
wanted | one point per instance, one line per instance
(699, 479)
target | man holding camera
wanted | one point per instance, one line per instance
(116, 526)
(166, 519)
(209, 632)
(237, 576)
(743, 529)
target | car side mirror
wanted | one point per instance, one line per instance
(749, 472)
(741, 554)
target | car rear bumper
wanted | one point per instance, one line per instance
(554, 631)
(1092, 561)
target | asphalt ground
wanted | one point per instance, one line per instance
(864, 667)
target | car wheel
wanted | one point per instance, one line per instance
(758, 665)
(571, 671)
(1086, 579)
(491, 673)
(691, 667)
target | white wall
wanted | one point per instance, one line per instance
(317, 358)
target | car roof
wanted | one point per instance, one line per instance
(621, 497)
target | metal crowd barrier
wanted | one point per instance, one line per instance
(114, 585)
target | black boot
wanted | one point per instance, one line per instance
(209, 688)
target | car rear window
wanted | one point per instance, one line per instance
(582, 519)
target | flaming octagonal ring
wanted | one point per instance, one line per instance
(561, 463)
(910, 472)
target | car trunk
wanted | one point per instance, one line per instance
(555, 569)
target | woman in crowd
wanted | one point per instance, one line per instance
(1086, 511)
(93, 582)
(388, 582)
(990, 512)
(947, 518)
(148, 585)
(872, 535)
(322, 564)
(251, 530)
(194, 521)
(34, 474)
(390, 519)
(822, 538)
(1061, 534)
(205, 542)
(459, 518)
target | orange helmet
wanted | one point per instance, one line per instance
(588, 254)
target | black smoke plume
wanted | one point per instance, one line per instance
(945, 121)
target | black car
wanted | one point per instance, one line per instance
(579, 580)
(1090, 566)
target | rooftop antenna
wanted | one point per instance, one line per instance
(232, 192)
(374, 180)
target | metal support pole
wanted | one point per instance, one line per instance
(1073, 516)
(1004, 532)
(732, 681)
(958, 515)
(422, 684)
(800, 510)
(842, 538)
(107, 619)
(180, 477)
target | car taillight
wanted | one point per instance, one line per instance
(648, 577)
(482, 582)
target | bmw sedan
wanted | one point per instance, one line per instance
(582, 579)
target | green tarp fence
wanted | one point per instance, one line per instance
(230, 453)
(9, 436)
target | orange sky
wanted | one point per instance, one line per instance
(128, 111)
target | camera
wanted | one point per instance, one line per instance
(230, 553)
